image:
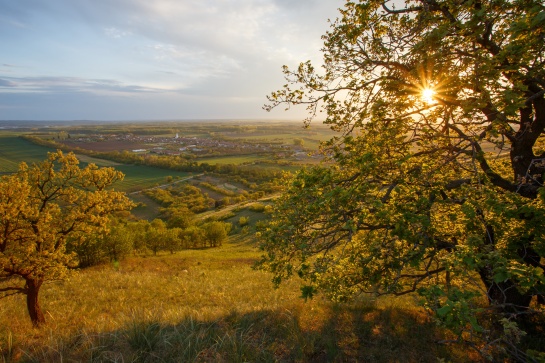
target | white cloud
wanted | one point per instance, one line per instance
(71, 84)
(116, 33)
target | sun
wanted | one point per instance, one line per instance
(427, 95)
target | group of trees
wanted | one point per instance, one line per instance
(436, 179)
(181, 197)
(124, 238)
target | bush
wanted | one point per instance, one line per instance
(243, 221)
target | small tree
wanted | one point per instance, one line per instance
(192, 237)
(110, 245)
(173, 239)
(118, 242)
(216, 232)
(180, 217)
(156, 236)
(138, 230)
(41, 207)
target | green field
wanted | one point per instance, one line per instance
(99, 162)
(14, 150)
(138, 177)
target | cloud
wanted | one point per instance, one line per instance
(71, 85)
(116, 33)
(6, 83)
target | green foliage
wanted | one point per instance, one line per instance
(216, 232)
(193, 237)
(243, 221)
(257, 207)
(156, 236)
(440, 196)
(113, 244)
(182, 197)
(179, 217)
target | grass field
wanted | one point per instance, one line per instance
(138, 177)
(99, 162)
(14, 150)
(210, 306)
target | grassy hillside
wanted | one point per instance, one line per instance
(209, 306)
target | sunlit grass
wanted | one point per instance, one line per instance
(208, 306)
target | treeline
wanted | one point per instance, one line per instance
(124, 238)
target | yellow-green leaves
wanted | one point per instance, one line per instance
(44, 205)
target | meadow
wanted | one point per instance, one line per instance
(211, 306)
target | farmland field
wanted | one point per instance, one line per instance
(14, 150)
(139, 177)
(269, 146)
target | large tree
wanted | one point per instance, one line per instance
(41, 207)
(435, 177)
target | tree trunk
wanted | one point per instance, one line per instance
(509, 299)
(32, 302)
(503, 295)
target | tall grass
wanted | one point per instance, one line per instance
(209, 306)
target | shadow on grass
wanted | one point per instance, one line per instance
(332, 334)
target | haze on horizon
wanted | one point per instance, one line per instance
(153, 60)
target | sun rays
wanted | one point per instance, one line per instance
(428, 95)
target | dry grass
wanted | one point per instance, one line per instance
(209, 306)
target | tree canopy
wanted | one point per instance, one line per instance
(434, 181)
(43, 206)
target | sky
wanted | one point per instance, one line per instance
(153, 59)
